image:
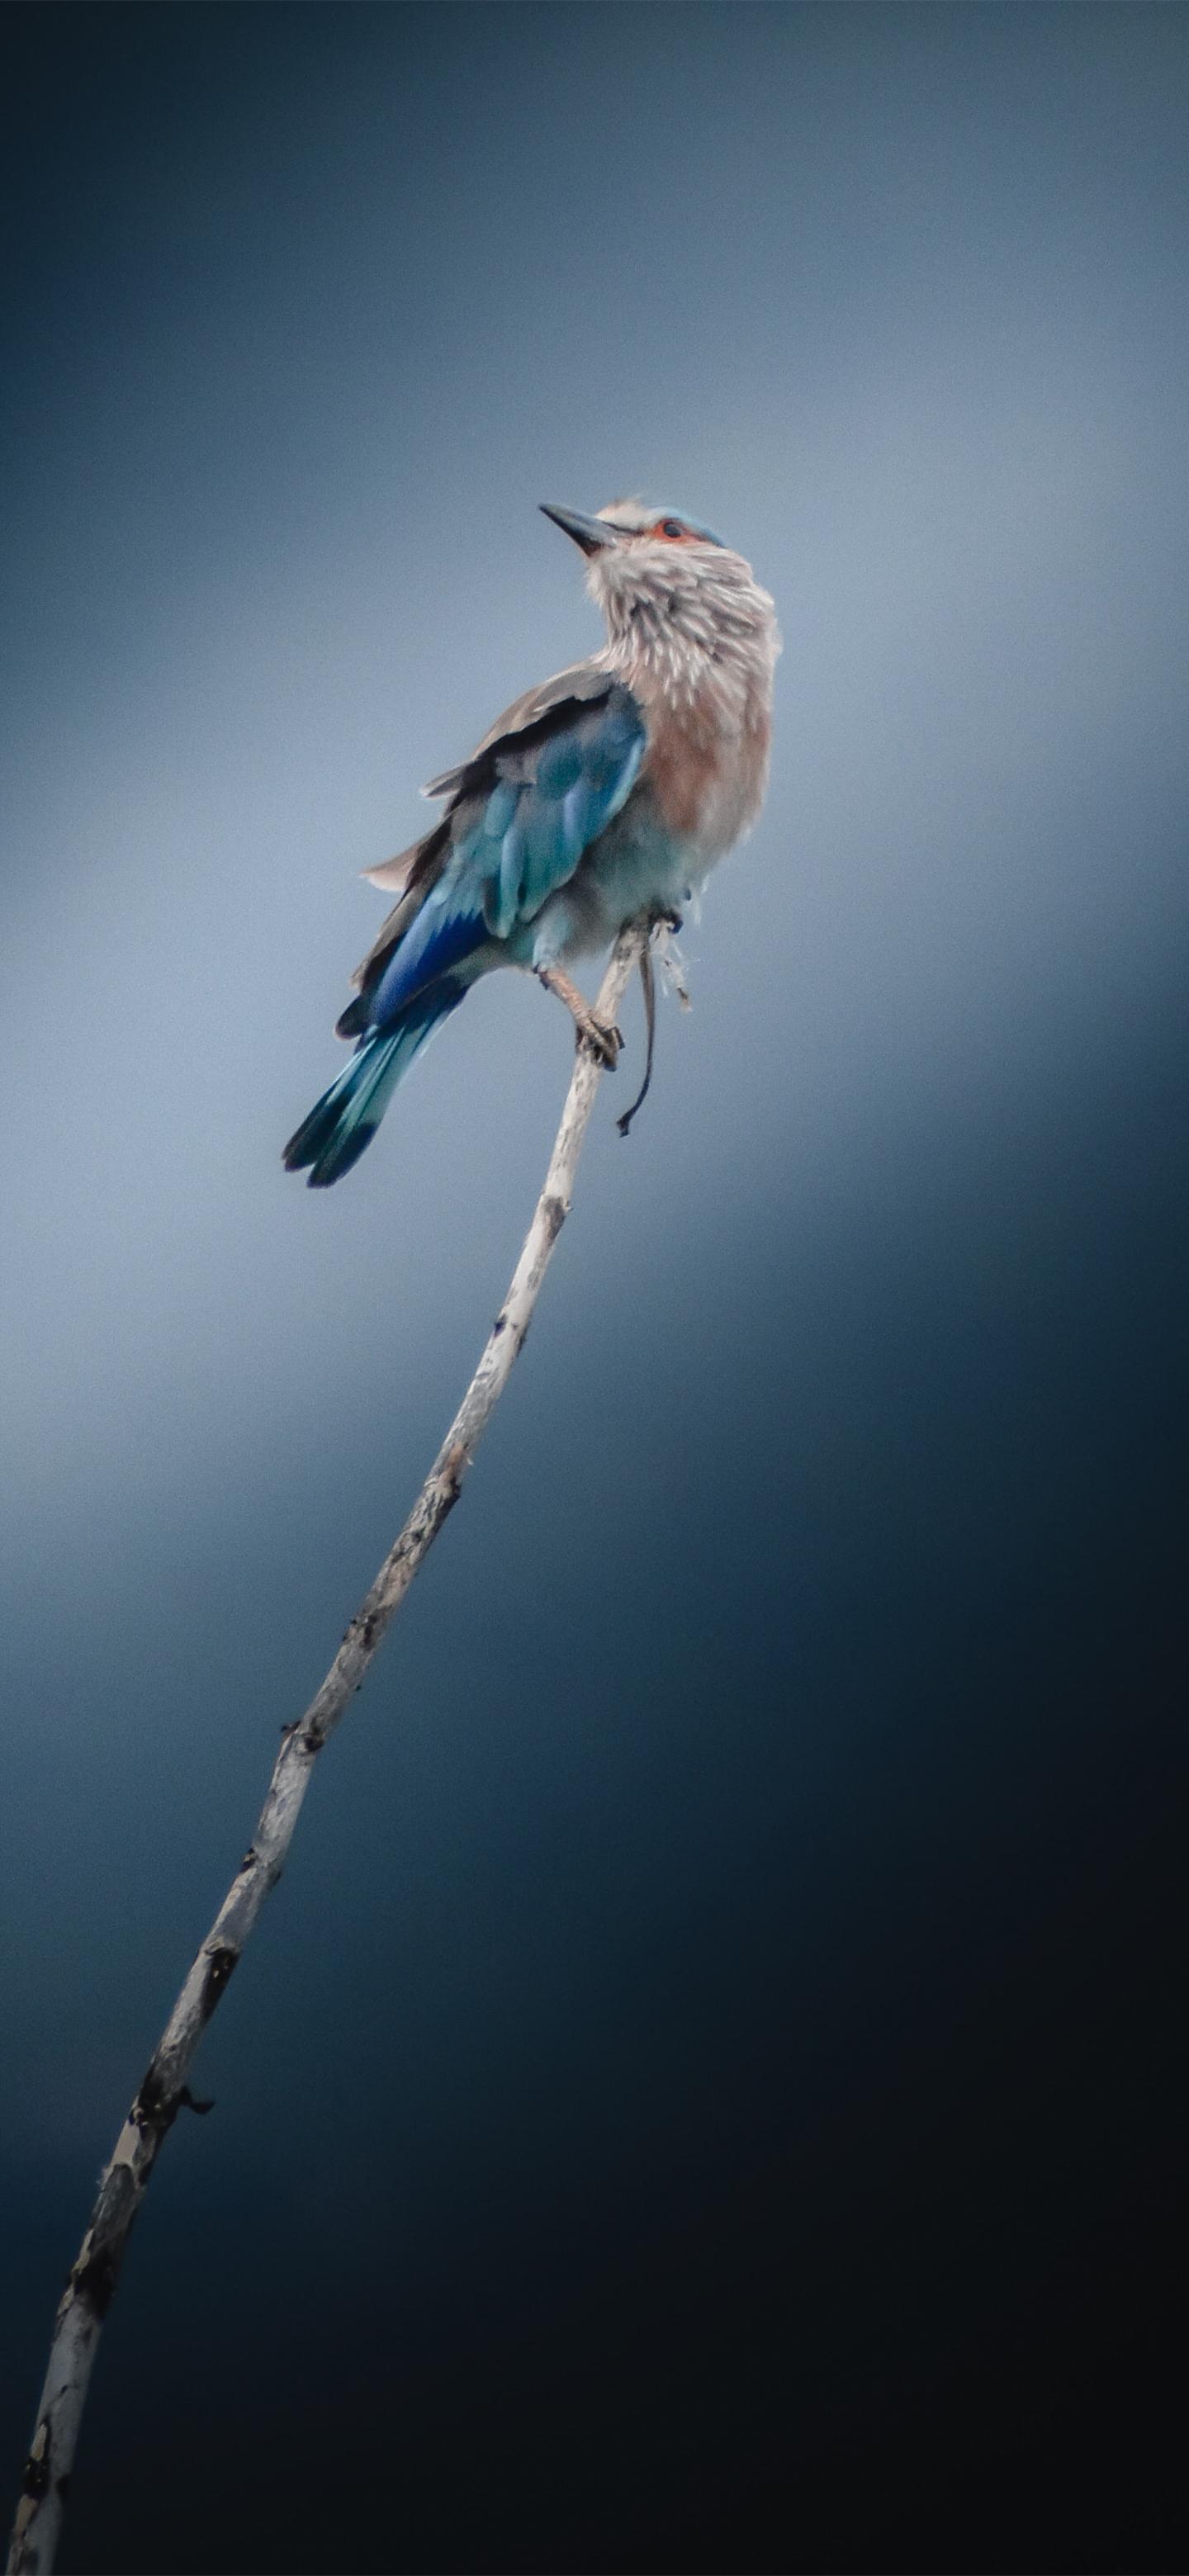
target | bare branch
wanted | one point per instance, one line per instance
(164, 2090)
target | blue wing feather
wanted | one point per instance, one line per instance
(515, 838)
(502, 892)
(441, 936)
(499, 810)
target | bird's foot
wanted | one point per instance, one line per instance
(599, 1037)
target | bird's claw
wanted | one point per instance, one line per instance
(601, 1039)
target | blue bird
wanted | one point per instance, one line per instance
(603, 796)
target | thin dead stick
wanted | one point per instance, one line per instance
(164, 2092)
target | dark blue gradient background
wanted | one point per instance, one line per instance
(709, 2091)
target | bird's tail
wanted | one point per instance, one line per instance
(346, 1117)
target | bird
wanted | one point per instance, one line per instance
(603, 797)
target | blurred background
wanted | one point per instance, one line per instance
(709, 2091)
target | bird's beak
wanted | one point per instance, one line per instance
(590, 534)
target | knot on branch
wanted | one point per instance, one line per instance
(220, 1961)
(98, 2267)
(156, 2107)
(303, 1736)
(361, 1630)
(35, 2476)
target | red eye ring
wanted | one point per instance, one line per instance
(669, 528)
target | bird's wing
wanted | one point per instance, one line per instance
(534, 800)
(410, 877)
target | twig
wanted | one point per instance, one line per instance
(648, 981)
(164, 2091)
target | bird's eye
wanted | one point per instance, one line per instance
(672, 528)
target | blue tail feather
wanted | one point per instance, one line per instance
(343, 1122)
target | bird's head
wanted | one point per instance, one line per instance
(630, 526)
(649, 568)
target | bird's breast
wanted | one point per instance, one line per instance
(705, 787)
